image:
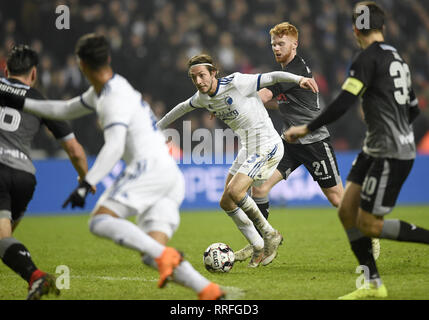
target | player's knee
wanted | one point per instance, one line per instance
(345, 214)
(235, 194)
(91, 224)
(366, 226)
(95, 220)
(260, 191)
(334, 195)
(335, 200)
(225, 202)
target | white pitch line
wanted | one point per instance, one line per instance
(99, 278)
(114, 278)
(233, 293)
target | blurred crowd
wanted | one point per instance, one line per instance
(152, 40)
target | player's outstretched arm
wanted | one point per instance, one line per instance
(57, 109)
(50, 109)
(270, 78)
(178, 111)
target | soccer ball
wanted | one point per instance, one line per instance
(218, 257)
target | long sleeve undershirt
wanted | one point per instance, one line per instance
(109, 155)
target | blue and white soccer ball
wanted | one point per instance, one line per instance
(218, 257)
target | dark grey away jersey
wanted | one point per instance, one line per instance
(298, 106)
(17, 130)
(383, 79)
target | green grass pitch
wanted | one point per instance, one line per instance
(314, 262)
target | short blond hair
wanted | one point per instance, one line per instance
(284, 29)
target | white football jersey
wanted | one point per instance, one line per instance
(120, 104)
(237, 103)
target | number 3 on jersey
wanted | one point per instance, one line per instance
(9, 119)
(400, 72)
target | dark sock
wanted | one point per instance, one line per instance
(16, 256)
(362, 248)
(265, 209)
(263, 205)
(411, 233)
(402, 231)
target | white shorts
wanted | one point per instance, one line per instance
(153, 190)
(259, 166)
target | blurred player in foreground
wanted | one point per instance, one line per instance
(17, 172)
(382, 79)
(234, 99)
(296, 105)
(151, 186)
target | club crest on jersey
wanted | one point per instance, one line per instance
(228, 100)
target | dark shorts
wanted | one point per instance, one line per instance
(319, 159)
(381, 180)
(16, 190)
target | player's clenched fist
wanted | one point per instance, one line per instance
(309, 83)
(293, 133)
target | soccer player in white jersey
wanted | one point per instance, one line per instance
(234, 100)
(151, 186)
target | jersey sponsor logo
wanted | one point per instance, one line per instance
(408, 139)
(353, 85)
(227, 115)
(282, 98)
(14, 153)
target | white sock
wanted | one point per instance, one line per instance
(125, 233)
(248, 205)
(246, 227)
(184, 275)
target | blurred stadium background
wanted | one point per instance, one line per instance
(151, 41)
